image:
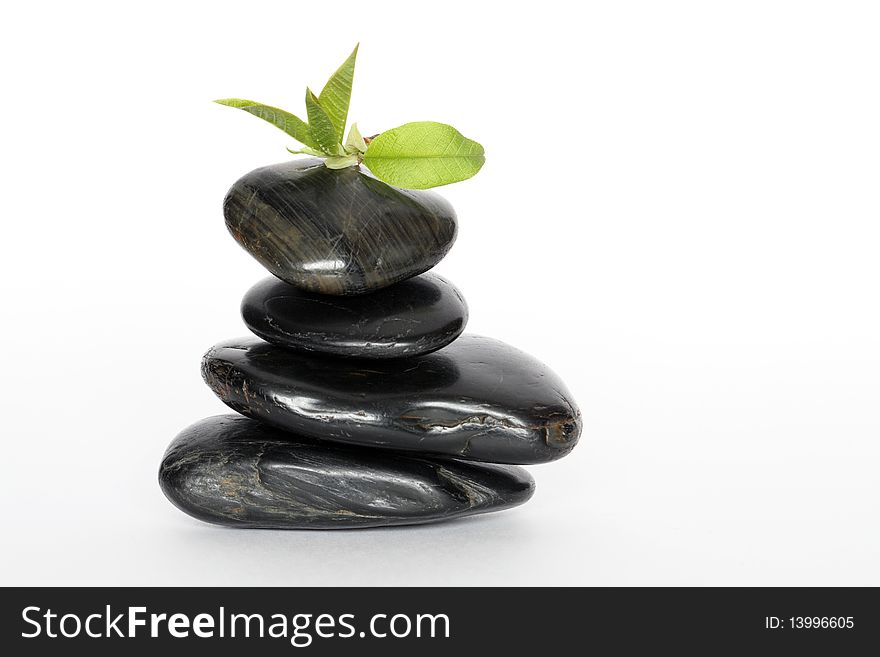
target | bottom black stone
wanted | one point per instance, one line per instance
(234, 471)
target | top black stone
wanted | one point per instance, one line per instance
(337, 231)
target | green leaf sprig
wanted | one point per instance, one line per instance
(416, 155)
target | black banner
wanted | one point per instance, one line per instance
(433, 621)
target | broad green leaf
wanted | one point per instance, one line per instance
(321, 127)
(422, 155)
(340, 161)
(355, 142)
(292, 125)
(335, 97)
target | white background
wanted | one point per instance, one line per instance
(679, 214)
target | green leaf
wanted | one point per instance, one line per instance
(292, 125)
(321, 127)
(335, 97)
(355, 142)
(306, 151)
(341, 161)
(422, 155)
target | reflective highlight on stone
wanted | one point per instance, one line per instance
(237, 472)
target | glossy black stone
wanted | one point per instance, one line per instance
(337, 231)
(417, 316)
(476, 399)
(234, 471)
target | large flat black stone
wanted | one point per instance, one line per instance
(234, 471)
(337, 231)
(417, 316)
(476, 398)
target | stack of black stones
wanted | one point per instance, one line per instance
(361, 403)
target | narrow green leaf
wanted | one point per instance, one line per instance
(422, 155)
(321, 127)
(355, 142)
(292, 125)
(335, 97)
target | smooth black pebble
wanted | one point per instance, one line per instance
(237, 472)
(337, 231)
(477, 398)
(415, 317)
